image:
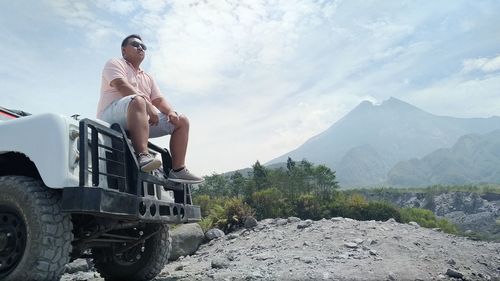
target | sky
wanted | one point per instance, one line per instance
(256, 78)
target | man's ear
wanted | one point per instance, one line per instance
(123, 52)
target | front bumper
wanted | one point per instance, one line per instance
(119, 205)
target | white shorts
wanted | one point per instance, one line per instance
(117, 111)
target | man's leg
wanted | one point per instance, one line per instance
(179, 136)
(138, 127)
(179, 142)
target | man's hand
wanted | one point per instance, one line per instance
(153, 115)
(173, 117)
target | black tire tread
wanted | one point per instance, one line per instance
(47, 252)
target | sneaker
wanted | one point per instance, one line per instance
(147, 162)
(159, 173)
(184, 176)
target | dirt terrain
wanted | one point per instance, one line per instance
(334, 249)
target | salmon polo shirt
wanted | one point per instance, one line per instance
(120, 68)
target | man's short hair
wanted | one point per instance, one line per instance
(125, 41)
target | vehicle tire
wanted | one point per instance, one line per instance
(36, 234)
(157, 249)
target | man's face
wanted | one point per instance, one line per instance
(134, 50)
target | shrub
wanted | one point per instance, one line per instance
(206, 224)
(233, 214)
(308, 206)
(205, 202)
(380, 211)
(270, 203)
(354, 207)
(427, 219)
(223, 213)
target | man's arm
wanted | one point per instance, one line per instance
(164, 107)
(125, 89)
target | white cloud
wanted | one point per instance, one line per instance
(121, 7)
(204, 45)
(154, 6)
(82, 16)
(482, 64)
(460, 97)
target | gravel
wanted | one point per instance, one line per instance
(335, 249)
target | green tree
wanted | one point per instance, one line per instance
(214, 185)
(260, 176)
(325, 183)
(237, 184)
(290, 164)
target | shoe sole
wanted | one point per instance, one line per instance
(151, 166)
(185, 181)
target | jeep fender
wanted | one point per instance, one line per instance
(48, 140)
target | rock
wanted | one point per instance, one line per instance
(231, 256)
(307, 259)
(453, 273)
(351, 245)
(304, 224)
(337, 219)
(232, 236)
(281, 222)
(267, 221)
(414, 224)
(342, 256)
(293, 219)
(186, 239)
(391, 220)
(262, 257)
(78, 265)
(219, 264)
(358, 240)
(250, 222)
(451, 262)
(213, 234)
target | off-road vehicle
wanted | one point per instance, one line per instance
(72, 189)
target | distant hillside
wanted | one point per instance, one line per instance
(473, 159)
(365, 144)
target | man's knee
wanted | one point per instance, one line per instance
(184, 120)
(137, 104)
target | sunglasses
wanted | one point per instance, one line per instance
(137, 44)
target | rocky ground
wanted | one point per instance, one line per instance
(334, 249)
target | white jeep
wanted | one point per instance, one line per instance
(72, 189)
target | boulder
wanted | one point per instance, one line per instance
(250, 222)
(186, 239)
(214, 233)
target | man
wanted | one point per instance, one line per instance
(131, 98)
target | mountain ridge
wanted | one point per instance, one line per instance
(395, 130)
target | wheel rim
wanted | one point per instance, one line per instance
(12, 240)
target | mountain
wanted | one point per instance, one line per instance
(474, 158)
(365, 144)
